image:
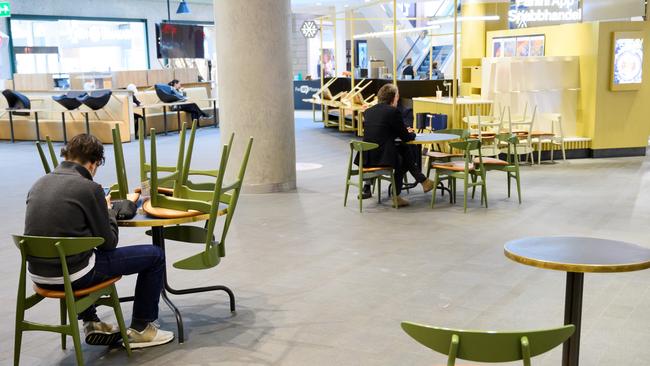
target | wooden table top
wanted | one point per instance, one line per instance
(448, 100)
(578, 254)
(429, 138)
(144, 220)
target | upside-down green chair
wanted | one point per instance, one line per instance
(355, 177)
(488, 346)
(41, 154)
(466, 170)
(71, 303)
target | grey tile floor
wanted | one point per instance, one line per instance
(320, 284)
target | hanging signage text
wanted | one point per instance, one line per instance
(531, 13)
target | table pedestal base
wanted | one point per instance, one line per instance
(573, 315)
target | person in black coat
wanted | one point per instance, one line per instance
(408, 70)
(383, 125)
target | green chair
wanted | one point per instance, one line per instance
(223, 196)
(71, 302)
(376, 174)
(489, 346)
(464, 170)
(509, 166)
(165, 184)
(41, 154)
(438, 154)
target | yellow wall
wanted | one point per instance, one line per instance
(611, 119)
(622, 117)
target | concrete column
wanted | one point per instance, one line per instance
(255, 90)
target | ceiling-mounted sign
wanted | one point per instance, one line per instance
(535, 13)
(5, 9)
(309, 29)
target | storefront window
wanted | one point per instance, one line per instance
(63, 45)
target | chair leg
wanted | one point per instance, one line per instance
(360, 191)
(378, 180)
(18, 336)
(63, 310)
(347, 189)
(563, 152)
(433, 193)
(473, 186)
(393, 189)
(465, 181)
(76, 337)
(484, 190)
(508, 178)
(518, 187)
(120, 319)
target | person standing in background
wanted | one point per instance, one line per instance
(408, 70)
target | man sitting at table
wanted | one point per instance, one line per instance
(383, 124)
(68, 203)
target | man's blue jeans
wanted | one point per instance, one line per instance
(147, 261)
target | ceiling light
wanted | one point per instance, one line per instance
(390, 32)
(183, 8)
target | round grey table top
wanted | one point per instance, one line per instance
(578, 254)
(428, 138)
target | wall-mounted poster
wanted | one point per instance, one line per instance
(497, 48)
(627, 61)
(536, 46)
(509, 47)
(522, 46)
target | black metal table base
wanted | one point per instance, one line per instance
(573, 315)
(159, 241)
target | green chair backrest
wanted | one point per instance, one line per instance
(51, 247)
(187, 164)
(146, 168)
(484, 346)
(360, 147)
(41, 154)
(120, 166)
(512, 142)
(467, 147)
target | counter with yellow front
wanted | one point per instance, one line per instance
(445, 105)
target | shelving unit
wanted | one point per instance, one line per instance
(471, 77)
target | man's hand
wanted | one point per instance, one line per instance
(108, 201)
(410, 129)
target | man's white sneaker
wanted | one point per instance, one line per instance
(151, 336)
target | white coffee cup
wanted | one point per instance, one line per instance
(439, 94)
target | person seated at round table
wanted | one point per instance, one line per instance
(192, 108)
(383, 124)
(68, 203)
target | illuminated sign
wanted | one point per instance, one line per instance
(531, 13)
(5, 9)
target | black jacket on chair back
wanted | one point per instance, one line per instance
(382, 125)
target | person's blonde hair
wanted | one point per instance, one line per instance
(386, 93)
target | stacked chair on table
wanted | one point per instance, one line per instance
(120, 190)
(188, 199)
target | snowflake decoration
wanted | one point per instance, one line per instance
(309, 29)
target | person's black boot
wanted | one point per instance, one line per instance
(367, 191)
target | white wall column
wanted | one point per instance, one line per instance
(255, 90)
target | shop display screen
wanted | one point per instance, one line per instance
(180, 41)
(627, 61)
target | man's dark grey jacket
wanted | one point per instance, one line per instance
(68, 203)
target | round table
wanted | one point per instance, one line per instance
(432, 138)
(577, 255)
(157, 226)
